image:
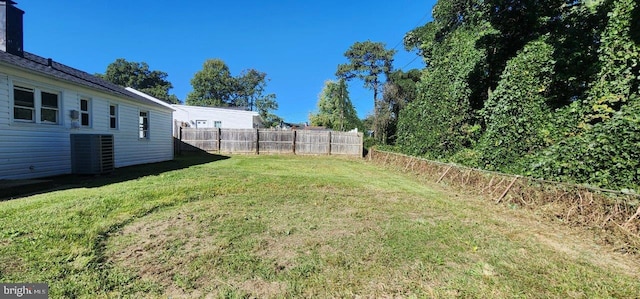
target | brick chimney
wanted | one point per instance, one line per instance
(11, 28)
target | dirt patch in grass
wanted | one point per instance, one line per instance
(284, 243)
(158, 248)
(263, 289)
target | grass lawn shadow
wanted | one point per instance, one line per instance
(10, 189)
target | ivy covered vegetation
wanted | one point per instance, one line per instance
(545, 88)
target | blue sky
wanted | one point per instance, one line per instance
(299, 44)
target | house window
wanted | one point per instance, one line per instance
(217, 124)
(49, 108)
(113, 116)
(35, 105)
(85, 116)
(23, 104)
(144, 125)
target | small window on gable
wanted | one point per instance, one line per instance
(85, 113)
(113, 116)
(144, 125)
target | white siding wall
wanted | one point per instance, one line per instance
(30, 150)
(230, 119)
(4, 98)
(130, 149)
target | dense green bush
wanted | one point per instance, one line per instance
(517, 116)
(605, 150)
(549, 89)
(605, 155)
(441, 121)
(620, 64)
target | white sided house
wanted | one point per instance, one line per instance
(209, 117)
(56, 120)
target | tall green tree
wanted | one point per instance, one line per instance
(265, 105)
(213, 86)
(549, 88)
(335, 110)
(250, 88)
(368, 61)
(138, 75)
(251, 93)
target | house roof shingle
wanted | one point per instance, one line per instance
(50, 68)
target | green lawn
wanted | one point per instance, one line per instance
(290, 226)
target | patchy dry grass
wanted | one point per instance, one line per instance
(287, 226)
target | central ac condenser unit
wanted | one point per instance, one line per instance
(92, 153)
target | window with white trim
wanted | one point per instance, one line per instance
(24, 104)
(85, 112)
(144, 125)
(49, 109)
(35, 105)
(217, 124)
(113, 116)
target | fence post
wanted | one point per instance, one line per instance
(329, 143)
(180, 140)
(294, 141)
(361, 136)
(219, 140)
(257, 141)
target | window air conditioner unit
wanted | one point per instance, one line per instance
(91, 153)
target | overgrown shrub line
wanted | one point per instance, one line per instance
(615, 215)
(556, 97)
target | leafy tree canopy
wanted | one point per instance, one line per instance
(367, 61)
(250, 88)
(265, 105)
(214, 86)
(138, 75)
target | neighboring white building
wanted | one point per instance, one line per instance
(44, 103)
(209, 117)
